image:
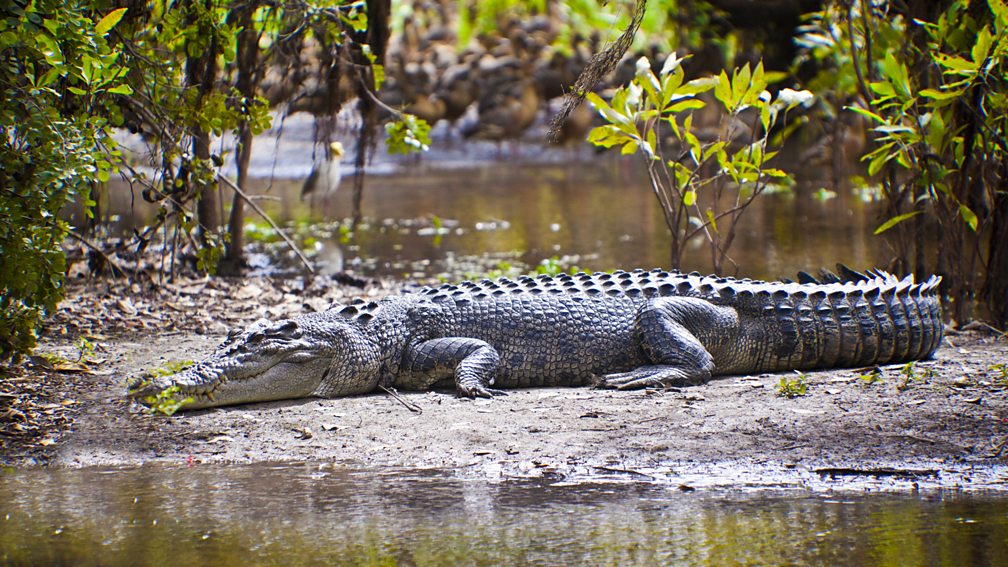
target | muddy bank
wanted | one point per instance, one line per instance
(943, 424)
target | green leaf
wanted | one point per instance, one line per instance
(596, 101)
(712, 220)
(50, 48)
(123, 89)
(941, 94)
(686, 105)
(689, 198)
(764, 113)
(956, 65)
(740, 84)
(723, 90)
(713, 148)
(1000, 11)
(696, 149)
(672, 62)
(109, 21)
(607, 136)
(866, 113)
(896, 72)
(700, 85)
(681, 172)
(650, 144)
(882, 89)
(968, 216)
(894, 221)
(610, 114)
(880, 158)
(407, 135)
(982, 47)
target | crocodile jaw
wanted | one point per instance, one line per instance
(211, 385)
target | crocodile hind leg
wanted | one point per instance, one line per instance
(472, 361)
(666, 330)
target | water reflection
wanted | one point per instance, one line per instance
(599, 212)
(302, 514)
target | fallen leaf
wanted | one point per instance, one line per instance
(126, 306)
(47, 441)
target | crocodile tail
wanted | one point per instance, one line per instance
(880, 320)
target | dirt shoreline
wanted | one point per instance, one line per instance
(946, 426)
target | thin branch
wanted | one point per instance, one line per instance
(262, 213)
(862, 86)
(395, 395)
(116, 270)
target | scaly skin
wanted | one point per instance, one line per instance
(621, 330)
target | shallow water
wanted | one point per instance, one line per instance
(304, 514)
(426, 220)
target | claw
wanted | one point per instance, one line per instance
(641, 383)
(479, 391)
(653, 377)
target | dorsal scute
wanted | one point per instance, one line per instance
(871, 284)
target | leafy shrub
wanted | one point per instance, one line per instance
(58, 80)
(703, 187)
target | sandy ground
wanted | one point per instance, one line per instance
(946, 425)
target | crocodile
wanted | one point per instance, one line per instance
(624, 329)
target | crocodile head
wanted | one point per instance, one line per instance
(292, 358)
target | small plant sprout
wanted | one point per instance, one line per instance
(85, 348)
(794, 387)
(168, 368)
(872, 376)
(167, 401)
(908, 373)
(1000, 373)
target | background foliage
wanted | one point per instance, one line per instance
(930, 80)
(926, 77)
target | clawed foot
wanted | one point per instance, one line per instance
(478, 390)
(650, 377)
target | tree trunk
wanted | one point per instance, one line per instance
(995, 291)
(376, 36)
(201, 74)
(247, 59)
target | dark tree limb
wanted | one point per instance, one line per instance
(601, 64)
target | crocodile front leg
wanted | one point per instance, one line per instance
(667, 329)
(473, 362)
